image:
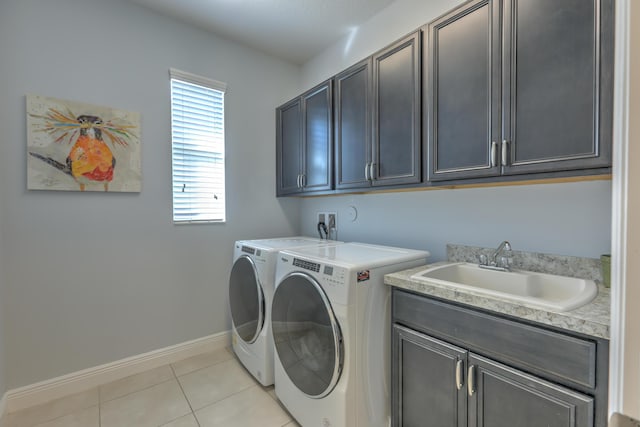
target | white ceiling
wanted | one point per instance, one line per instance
(294, 30)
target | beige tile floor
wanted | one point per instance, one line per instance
(212, 389)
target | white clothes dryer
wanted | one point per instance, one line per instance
(251, 285)
(331, 327)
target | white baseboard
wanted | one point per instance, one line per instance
(48, 390)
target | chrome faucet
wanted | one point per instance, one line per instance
(504, 246)
(498, 260)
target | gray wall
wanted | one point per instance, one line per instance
(398, 19)
(568, 219)
(564, 219)
(90, 278)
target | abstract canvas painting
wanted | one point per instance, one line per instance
(73, 146)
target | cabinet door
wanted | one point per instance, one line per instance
(557, 84)
(463, 92)
(396, 121)
(288, 148)
(353, 126)
(428, 381)
(504, 397)
(317, 172)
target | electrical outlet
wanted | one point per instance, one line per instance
(329, 218)
(332, 220)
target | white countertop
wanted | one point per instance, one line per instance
(591, 319)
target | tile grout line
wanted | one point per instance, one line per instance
(184, 394)
(61, 416)
(227, 397)
(203, 367)
(137, 391)
(175, 376)
(170, 365)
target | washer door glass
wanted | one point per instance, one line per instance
(246, 299)
(306, 334)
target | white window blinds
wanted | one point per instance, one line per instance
(197, 137)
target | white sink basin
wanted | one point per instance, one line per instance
(546, 291)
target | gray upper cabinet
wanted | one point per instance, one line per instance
(519, 87)
(317, 125)
(492, 89)
(289, 147)
(304, 142)
(557, 85)
(353, 126)
(397, 114)
(462, 90)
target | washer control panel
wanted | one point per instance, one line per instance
(332, 275)
(334, 279)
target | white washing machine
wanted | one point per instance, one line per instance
(331, 328)
(251, 285)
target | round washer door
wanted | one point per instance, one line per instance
(246, 299)
(306, 335)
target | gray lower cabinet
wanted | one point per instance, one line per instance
(304, 142)
(428, 388)
(454, 366)
(500, 396)
(441, 385)
(519, 87)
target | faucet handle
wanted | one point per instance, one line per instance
(503, 262)
(483, 260)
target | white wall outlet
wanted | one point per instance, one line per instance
(330, 220)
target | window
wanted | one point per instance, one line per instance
(197, 139)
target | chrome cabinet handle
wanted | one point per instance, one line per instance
(298, 181)
(471, 386)
(371, 176)
(505, 158)
(494, 154)
(303, 179)
(459, 374)
(366, 171)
